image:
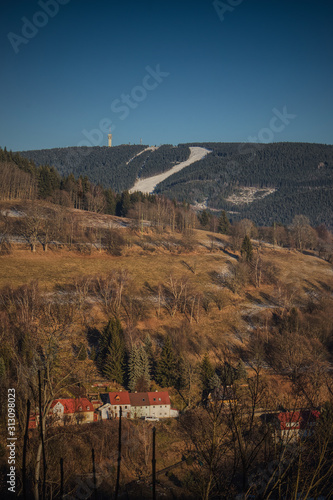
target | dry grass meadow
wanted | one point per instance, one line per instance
(298, 272)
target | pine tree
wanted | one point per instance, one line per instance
(134, 368)
(166, 369)
(206, 371)
(247, 249)
(106, 339)
(224, 224)
(112, 351)
(228, 374)
(145, 365)
(148, 347)
(113, 368)
(204, 218)
(138, 368)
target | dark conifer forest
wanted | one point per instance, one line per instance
(285, 179)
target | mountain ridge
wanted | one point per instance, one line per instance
(298, 176)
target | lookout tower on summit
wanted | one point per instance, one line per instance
(110, 139)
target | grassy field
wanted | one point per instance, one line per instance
(58, 267)
(300, 272)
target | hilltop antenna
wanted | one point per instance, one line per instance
(110, 139)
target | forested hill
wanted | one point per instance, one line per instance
(264, 182)
(117, 167)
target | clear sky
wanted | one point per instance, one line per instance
(167, 72)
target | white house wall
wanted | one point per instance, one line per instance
(160, 411)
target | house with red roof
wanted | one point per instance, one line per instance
(67, 411)
(136, 405)
(113, 401)
(71, 411)
(294, 425)
(150, 404)
(139, 404)
(159, 404)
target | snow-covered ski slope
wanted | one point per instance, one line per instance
(148, 185)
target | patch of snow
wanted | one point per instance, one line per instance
(12, 212)
(151, 148)
(247, 195)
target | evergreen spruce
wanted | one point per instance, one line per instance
(166, 369)
(224, 224)
(138, 369)
(228, 374)
(247, 249)
(134, 368)
(206, 372)
(145, 365)
(112, 351)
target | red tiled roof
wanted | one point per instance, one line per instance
(119, 398)
(161, 398)
(139, 398)
(72, 405)
(299, 419)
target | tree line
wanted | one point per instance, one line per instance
(301, 173)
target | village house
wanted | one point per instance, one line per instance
(136, 405)
(67, 411)
(159, 404)
(113, 401)
(139, 404)
(71, 411)
(290, 426)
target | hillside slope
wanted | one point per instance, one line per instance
(263, 182)
(285, 179)
(117, 167)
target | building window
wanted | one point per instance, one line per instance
(154, 399)
(88, 407)
(159, 399)
(80, 408)
(125, 407)
(143, 399)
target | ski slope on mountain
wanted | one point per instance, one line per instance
(148, 185)
(150, 148)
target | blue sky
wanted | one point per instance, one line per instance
(166, 72)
